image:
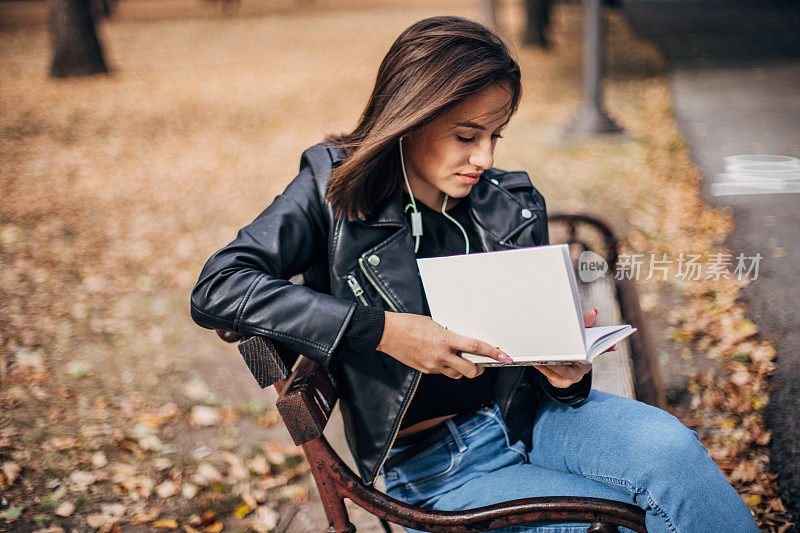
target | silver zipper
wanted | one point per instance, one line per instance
(377, 288)
(513, 389)
(396, 429)
(356, 288)
(417, 377)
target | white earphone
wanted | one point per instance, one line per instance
(416, 216)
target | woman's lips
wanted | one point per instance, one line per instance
(469, 179)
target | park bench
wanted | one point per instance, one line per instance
(307, 395)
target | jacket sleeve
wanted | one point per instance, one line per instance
(573, 395)
(244, 287)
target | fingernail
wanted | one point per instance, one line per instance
(504, 358)
(596, 311)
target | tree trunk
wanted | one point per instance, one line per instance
(76, 49)
(538, 20)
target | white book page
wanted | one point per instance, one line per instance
(601, 338)
(519, 300)
(575, 294)
(594, 334)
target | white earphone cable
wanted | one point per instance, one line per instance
(448, 217)
(416, 216)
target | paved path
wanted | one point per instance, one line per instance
(735, 70)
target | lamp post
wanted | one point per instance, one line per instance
(592, 119)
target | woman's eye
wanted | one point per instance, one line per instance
(471, 139)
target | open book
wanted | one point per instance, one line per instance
(523, 301)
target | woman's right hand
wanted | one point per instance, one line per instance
(419, 342)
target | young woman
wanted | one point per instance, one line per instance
(415, 179)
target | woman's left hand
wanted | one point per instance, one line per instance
(562, 376)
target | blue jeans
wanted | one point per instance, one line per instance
(609, 447)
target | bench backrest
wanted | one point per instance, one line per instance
(307, 393)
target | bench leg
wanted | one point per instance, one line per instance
(335, 511)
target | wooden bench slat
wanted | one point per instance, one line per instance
(306, 401)
(611, 372)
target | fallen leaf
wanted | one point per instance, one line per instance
(162, 463)
(741, 378)
(216, 527)
(146, 436)
(746, 471)
(249, 499)
(112, 509)
(81, 479)
(165, 523)
(237, 468)
(142, 514)
(242, 510)
(79, 369)
(775, 504)
(39, 393)
(133, 448)
(209, 517)
(99, 460)
(61, 443)
(203, 415)
(263, 520)
(294, 492)
(138, 486)
(259, 465)
(206, 474)
(276, 452)
(65, 509)
(167, 489)
(198, 391)
(98, 520)
(754, 499)
(11, 471)
(189, 490)
(12, 513)
(29, 364)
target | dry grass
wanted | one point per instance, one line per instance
(115, 189)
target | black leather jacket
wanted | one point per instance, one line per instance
(244, 288)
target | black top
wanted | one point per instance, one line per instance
(437, 395)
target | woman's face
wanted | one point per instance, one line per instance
(447, 155)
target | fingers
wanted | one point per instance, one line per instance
(464, 367)
(590, 317)
(450, 373)
(563, 376)
(477, 347)
(555, 379)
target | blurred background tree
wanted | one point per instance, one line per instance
(538, 12)
(76, 48)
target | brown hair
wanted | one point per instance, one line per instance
(433, 65)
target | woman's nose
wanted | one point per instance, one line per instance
(482, 156)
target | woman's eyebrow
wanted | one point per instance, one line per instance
(470, 124)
